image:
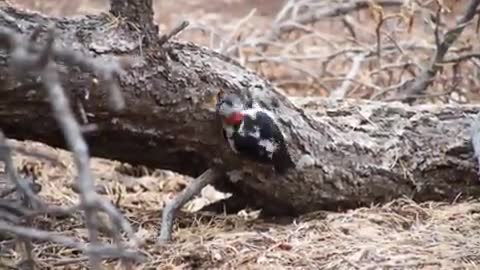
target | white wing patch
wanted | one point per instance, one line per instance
(269, 146)
(253, 114)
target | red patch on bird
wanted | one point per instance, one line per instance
(234, 118)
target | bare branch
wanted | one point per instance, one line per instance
(77, 145)
(327, 10)
(29, 56)
(179, 28)
(378, 29)
(187, 194)
(100, 250)
(461, 58)
(354, 70)
(225, 49)
(421, 83)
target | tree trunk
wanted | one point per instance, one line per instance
(348, 153)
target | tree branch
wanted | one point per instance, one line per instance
(284, 24)
(420, 84)
(79, 148)
(29, 57)
(461, 58)
(194, 188)
(109, 251)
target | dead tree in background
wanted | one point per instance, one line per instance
(348, 153)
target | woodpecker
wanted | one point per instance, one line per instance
(253, 133)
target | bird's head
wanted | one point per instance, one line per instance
(230, 108)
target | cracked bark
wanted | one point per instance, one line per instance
(352, 153)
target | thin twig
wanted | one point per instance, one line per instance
(79, 148)
(354, 70)
(28, 56)
(327, 10)
(378, 33)
(104, 250)
(461, 58)
(225, 49)
(177, 29)
(421, 83)
(187, 194)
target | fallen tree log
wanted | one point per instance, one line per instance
(348, 153)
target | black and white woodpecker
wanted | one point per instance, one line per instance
(253, 133)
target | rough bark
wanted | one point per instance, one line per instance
(349, 153)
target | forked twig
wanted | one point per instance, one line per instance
(104, 250)
(421, 82)
(187, 194)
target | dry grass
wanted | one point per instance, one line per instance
(398, 235)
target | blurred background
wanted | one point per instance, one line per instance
(368, 51)
(283, 42)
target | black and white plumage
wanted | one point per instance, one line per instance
(253, 133)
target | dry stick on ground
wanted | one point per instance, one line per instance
(104, 250)
(168, 215)
(421, 83)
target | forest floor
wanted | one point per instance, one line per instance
(401, 234)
